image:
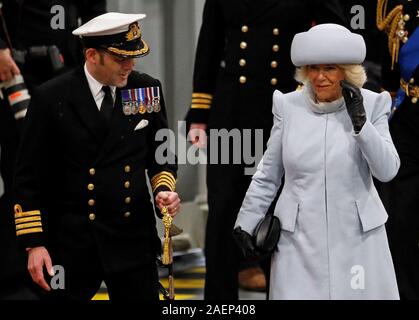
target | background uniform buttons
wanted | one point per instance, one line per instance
(90, 186)
(274, 81)
(275, 31)
(127, 214)
(242, 79)
(128, 200)
(243, 45)
(92, 171)
(245, 29)
(242, 62)
(274, 64)
(91, 202)
(92, 216)
(126, 184)
(275, 48)
(127, 169)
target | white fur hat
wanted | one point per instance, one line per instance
(327, 44)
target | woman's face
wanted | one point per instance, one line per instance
(325, 80)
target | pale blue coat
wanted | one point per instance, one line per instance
(333, 243)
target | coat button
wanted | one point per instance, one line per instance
(414, 100)
(92, 171)
(412, 80)
(242, 62)
(274, 64)
(91, 202)
(275, 48)
(127, 214)
(275, 31)
(90, 186)
(245, 29)
(243, 45)
(274, 81)
(406, 17)
(92, 216)
(127, 169)
(128, 200)
(127, 184)
(242, 79)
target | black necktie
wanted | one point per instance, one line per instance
(107, 104)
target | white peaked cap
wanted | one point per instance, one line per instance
(108, 24)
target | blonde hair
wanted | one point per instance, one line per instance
(354, 73)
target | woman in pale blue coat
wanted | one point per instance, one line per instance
(328, 139)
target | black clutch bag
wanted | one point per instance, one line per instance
(267, 233)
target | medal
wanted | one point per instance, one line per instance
(149, 104)
(156, 99)
(126, 102)
(142, 108)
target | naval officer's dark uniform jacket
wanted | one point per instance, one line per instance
(243, 55)
(81, 186)
(400, 196)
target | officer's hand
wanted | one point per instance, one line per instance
(245, 242)
(354, 104)
(198, 135)
(8, 67)
(38, 257)
(170, 200)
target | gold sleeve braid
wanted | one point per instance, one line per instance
(201, 100)
(164, 178)
(27, 222)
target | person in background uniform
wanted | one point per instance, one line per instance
(29, 33)
(242, 57)
(328, 139)
(40, 34)
(87, 148)
(400, 196)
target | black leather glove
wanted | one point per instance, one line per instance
(354, 104)
(245, 242)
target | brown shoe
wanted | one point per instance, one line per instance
(252, 279)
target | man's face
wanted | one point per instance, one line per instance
(111, 70)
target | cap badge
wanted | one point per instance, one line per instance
(134, 32)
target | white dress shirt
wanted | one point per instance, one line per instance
(96, 88)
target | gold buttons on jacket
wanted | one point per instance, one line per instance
(242, 62)
(91, 202)
(128, 200)
(274, 81)
(274, 64)
(92, 171)
(275, 48)
(92, 216)
(242, 79)
(127, 214)
(127, 184)
(275, 31)
(412, 80)
(127, 169)
(245, 29)
(243, 45)
(90, 186)
(406, 17)
(414, 100)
